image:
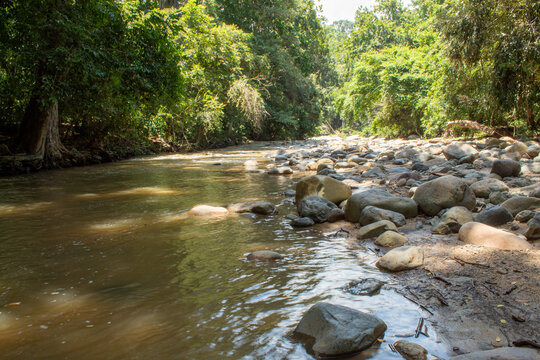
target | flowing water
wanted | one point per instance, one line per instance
(102, 262)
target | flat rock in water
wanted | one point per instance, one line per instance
(506, 168)
(264, 255)
(208, 211)
(517, 204)
(375, 229)
(444, 192)
(480, 234)
(372, 214)
(316, 208)
(324, 186)
(302, 222)
(380, 199)
(410, 351)
(364, 287)
(280, 170)
(339, 330)
(506, 353)
(256, 207)
(402, 258)
(494, 216)
(391, 239)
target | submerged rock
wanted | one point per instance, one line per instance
(208, 211)
(402, 258)
(338, 330)
(444, 192)
(364, 287)
(302, 222)
(480, 234)
(280, 170)
(256, 207)
(264, 255)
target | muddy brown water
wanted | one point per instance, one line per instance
(102, 262)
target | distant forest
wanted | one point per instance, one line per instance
(91, 74)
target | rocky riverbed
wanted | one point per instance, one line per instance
(455, 222)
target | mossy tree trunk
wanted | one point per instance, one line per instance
(39, 132)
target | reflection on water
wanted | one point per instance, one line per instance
(102, 262)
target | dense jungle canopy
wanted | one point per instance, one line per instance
(88, 74)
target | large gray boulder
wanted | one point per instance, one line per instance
(452, 220)
(338, 330)
(444, 192)
(484, 188)
(402, 258)
(324, 186)
(484, 235)
(506, 353)
(458, 151)
(380, 199)
(506, 168)
(316, 208)
(494, 216)
(372, 214)
(517, 204)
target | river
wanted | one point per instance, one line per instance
(102, 262)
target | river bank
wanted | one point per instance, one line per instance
(477, 293)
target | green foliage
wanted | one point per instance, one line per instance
(414, 69)
(494, 45)
(205, 74)
(291, 59)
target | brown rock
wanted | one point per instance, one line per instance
(484, 235)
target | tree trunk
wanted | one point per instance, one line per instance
(39, 134)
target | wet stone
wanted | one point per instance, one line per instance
(264, 255)
(364, 287)
(410, 351)
(302, 222)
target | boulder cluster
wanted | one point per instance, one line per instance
(485, 191)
